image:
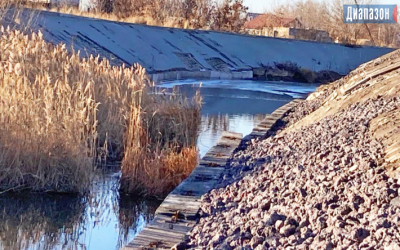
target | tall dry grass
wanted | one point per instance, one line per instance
(50, 134)
(161, 145)
(61, 115)
(47, 120)
(227, 15)
(142, 18)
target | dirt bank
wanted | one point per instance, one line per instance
(326, 180)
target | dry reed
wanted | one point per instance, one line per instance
(161, 145)
(50, 136)
(140, 19)
(47, 124)
(60, 115)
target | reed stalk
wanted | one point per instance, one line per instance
(61, 115)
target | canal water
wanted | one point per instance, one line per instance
(237, 106)
(108, 221)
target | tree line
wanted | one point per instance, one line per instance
(328, 16)
(228, 15)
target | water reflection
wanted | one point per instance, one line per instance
(132, 217)
(40, 221)
(212, 127)
(103, 221)
(236, 106)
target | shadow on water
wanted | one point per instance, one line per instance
(104, 220)
(130, 212)
(43, 221)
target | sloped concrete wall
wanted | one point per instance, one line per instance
(161, 50)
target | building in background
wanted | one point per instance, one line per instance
(87, 5)
(251, 15)
(284, 27)
(74, 3)
(84, 5)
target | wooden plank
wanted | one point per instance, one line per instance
(261, 130)
(394, 158)
(347, 89)
(393, 148)
(178, 214)
(180, 226)
(393, 155)
(186, 205)
(285, 108)
(218, 155)
(269, 121)
(152, 238)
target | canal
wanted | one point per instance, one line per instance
(107, 220)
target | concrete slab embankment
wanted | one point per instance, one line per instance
(169, 54)
(179, 75)
(178, 214)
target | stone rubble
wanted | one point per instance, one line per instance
(321, 187)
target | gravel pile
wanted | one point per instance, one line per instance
(306, 108)
(322, 187)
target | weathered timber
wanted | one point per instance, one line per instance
(393, 152)
(262, 129)
(178, 213)
(348, 88)
(218, 155)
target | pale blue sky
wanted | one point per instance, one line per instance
(260, 6)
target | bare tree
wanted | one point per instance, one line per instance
(230, 16)
(328, 16)
(126, 8)
(366, 25)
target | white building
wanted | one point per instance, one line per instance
(84, 5)
(58, 2)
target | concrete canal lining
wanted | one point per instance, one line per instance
(170, 54)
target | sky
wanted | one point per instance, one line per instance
(261, 6)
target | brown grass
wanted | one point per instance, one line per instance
(47, 124)
(161, 145)
(60, 115)
(228, 15)
(144, 18)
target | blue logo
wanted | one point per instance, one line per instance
(370, 13)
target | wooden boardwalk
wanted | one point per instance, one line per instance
(262, 129)
(178, 214)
